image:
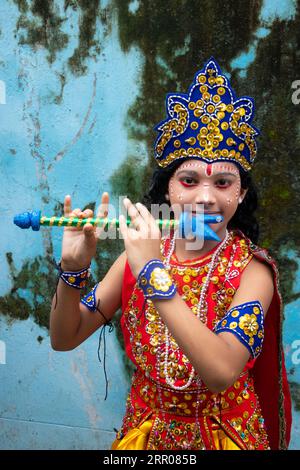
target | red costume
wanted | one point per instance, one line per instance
(255, 412)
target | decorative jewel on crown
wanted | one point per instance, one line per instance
(208, 123)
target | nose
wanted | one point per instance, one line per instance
(205, 195)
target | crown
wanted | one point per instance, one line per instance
(208, 123)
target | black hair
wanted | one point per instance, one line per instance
(243, 219)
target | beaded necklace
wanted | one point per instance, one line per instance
(197, 440)
(201, 307)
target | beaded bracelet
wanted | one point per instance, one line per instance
(155, 281)
(76, 279)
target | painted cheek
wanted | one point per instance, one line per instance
(238, 190)
(234, 194)
(171, 188)
(175, 193)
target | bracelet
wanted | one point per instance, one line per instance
(89, 300)
(155, 281)
(76, 279)
(246, 322)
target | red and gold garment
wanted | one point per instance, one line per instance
(254, 413)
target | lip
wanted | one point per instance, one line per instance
(207, 212)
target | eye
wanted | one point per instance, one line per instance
(223, 183)
(187, 181)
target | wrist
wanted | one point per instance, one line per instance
(74, 278)
(155, 281)
(72, 267)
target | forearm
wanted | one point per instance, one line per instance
(65, 318)
(208, 353)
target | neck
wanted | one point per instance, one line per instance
(184, 248)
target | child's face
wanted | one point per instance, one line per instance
(216, 186)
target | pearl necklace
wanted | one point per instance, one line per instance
(201, 311)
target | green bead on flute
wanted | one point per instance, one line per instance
(98, 222)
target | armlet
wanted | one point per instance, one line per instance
(246, 322)
(89, 300)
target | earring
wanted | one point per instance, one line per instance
(167, 197)
(240, 200)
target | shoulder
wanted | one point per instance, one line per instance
(256, 261)
(257, 283)
(258, 269)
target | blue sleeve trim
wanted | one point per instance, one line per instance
(89, 300)
(246, 322)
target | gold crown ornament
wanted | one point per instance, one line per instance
(208, 123)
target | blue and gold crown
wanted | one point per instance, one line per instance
(208, 123)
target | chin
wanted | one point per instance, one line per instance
(219, 228)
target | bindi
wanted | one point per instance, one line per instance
(208, 170)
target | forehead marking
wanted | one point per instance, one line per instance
(208, 170)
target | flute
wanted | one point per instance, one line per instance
(187, 223)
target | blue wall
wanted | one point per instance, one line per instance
(65, 102)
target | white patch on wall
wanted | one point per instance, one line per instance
(2, 352)
(2, 92)
(133, 6)
(296, 354)
(296, 94)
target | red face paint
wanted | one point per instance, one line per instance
(209, 169)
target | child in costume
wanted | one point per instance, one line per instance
(202, 326)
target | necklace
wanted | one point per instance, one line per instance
(201, 309)
(162, 360)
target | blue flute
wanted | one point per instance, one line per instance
(188, 223)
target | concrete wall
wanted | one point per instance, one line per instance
(81, 86)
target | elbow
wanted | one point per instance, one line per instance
(60, 344)
(221, 382)
(226, 381)
(57, 346)
(217, 387)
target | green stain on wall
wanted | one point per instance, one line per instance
(40, 24)
(88, 46)
(35, 278)
(128, 179)
(295, 392)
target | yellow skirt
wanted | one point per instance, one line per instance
(137, 439)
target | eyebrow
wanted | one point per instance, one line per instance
(194, 173)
